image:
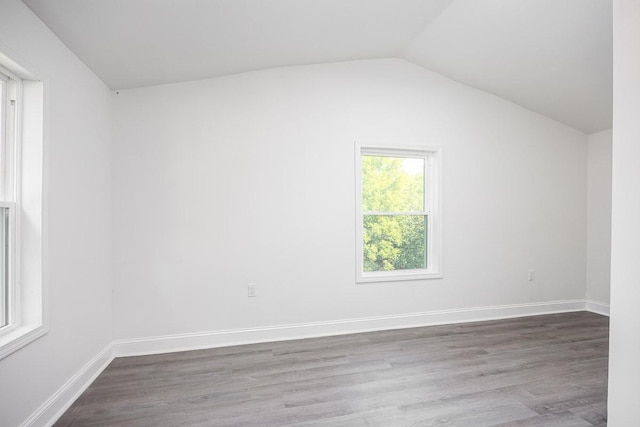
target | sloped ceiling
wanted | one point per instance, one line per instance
(550, 56)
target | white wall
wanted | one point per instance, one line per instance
(624, 354)
(249, 178)
(77, 251)
(599, 217)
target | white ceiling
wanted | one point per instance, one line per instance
(550, 56)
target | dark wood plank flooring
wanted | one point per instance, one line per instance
(546, 370)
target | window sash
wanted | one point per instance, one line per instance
(4, 84)
(5, 235)
(5, 232)
(7, 248)
(8, 127)
(10, 87)
(395, 213)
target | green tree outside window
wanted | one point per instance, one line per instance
(394, 221)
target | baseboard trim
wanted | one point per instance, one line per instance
(597, 307)
(230, 337)
(51, 410)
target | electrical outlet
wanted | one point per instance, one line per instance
(531, 276)
(251, 290)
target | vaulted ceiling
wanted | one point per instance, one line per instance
(551, 56)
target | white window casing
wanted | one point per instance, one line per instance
(431, 211)
(21, 204)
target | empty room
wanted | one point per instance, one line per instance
(319, 212)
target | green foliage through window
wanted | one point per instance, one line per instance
(394, 218)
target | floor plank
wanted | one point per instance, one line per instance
(546, 370)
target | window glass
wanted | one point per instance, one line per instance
(392, 184)
(394, 242)
(4, 213)
(4, 265)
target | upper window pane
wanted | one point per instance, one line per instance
(3, 89)
(2, 97)
(392, 184)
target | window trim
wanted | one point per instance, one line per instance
(9, 194)
(28, 315)
(432, 209)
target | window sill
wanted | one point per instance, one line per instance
(395, 276)
(19, 337)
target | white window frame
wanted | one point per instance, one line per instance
(22, 192)
(9, 192)
(432, 210)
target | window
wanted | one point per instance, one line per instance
(21, 171)
(398, 218)
(8, 96)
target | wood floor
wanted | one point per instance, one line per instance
(536, 371)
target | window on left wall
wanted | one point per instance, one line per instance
(9, 87)
(21, 172)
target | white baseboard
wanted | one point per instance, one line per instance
(55, 406)
(597, 307)
(224, 338)
(49, 412)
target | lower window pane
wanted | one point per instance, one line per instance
(394, 242)
(4, 264)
